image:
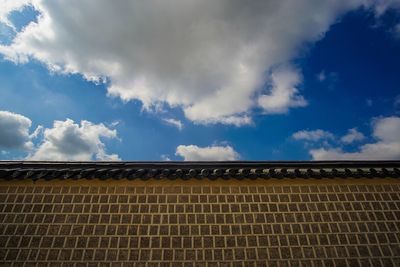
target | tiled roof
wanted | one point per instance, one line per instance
(186, 170)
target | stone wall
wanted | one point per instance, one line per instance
(272, 222)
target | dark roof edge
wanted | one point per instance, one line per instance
(199, 169)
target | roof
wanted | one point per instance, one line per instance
(202, 169)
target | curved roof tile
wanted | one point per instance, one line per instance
(187, 170)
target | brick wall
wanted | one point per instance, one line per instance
(287, 222)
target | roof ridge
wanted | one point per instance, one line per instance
(187, 170)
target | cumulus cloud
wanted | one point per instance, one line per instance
(176, 123)
(67, 140)
(353, 135)
(386, 131)
(208, 57)
(14, 131)
(314, 135)
(283, 93)
(214, 153)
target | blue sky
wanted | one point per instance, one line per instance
(326, 90)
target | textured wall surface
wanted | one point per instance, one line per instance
(286, 222)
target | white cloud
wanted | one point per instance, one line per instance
(165, 157)
(176, 123)
(386, 130)
(14, 131)
(212, 153)
(283, 93)
(69, 141)
(207, 57)
(37, 132)
(352, 136)
(65, 141)
(314, 135)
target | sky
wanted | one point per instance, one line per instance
(199, 80)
